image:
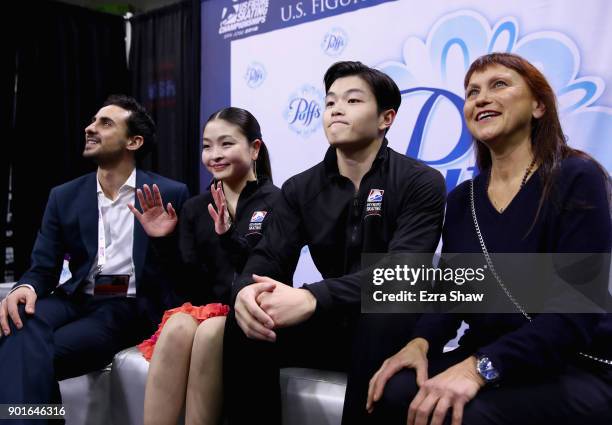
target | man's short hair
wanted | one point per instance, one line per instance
(139, 122)
(384, 88)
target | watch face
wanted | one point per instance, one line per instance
(491, 375)
(486, 370)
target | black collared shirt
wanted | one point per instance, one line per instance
(399, 208)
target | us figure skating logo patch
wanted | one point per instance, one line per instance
(374, 203)
(256, 221)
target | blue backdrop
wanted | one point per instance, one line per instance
(270, 56)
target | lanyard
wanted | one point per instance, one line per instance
(101, 240)
(102, 252)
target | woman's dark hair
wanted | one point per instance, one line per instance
(385, 90)
(249, 126)
(548, 142)
(139, 122)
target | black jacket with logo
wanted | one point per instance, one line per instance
(206, 264)
(399, 208)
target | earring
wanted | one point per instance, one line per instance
(255, 169)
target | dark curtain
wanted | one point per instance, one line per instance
(7, 99)
(165, 70)
(68, 60)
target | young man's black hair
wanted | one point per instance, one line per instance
(384, 88)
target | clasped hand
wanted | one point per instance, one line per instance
(268, 304)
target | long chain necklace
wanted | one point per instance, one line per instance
(523, 181)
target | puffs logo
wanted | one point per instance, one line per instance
(255, 75)
(334, 42)
(304, 110)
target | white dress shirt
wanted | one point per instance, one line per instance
(118, 234)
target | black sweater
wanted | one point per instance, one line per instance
(574, 219)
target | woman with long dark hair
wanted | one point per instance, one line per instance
(534, 194)
(214, 243)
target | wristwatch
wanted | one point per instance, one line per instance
(486, 370)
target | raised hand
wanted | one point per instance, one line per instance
(156, 221)
(220, 215)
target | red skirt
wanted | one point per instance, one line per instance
(200, 313)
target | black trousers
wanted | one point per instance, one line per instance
(579, 395)
(349, 342)
(65, 337)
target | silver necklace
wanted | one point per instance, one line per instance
(489, 261)
(523, 182)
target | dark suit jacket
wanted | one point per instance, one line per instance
(70, 226)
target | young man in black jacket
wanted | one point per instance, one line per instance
(362, 198)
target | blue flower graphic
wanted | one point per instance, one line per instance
(438, 65)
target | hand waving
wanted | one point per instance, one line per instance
(156, 221)
(220, 215)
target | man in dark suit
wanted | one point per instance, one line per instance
(116, 293)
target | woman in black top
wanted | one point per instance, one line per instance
(534, 195)
(214, 243)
